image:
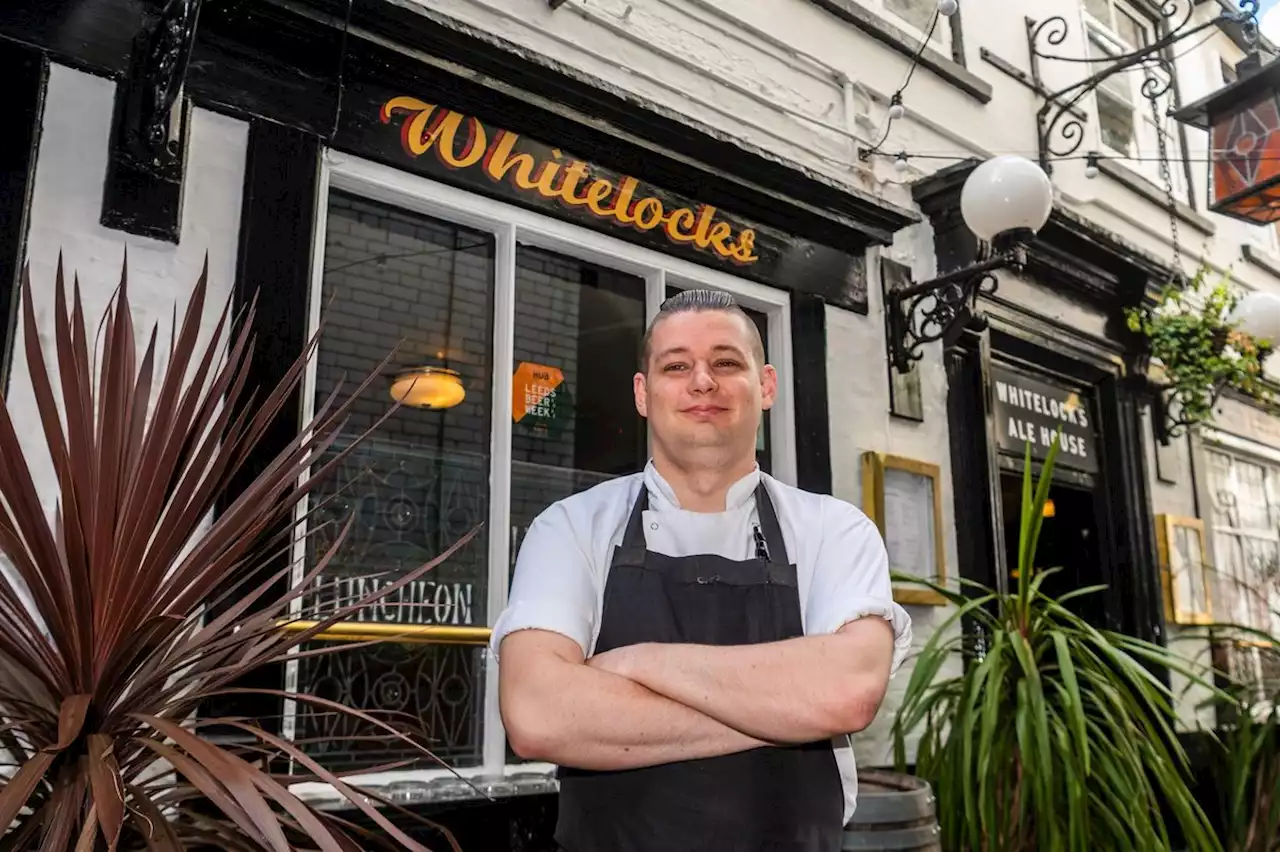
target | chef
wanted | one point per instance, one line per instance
(693, 644)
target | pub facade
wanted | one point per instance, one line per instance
(504, 193)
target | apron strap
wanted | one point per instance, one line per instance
(633, 537)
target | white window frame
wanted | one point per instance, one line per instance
(1146, 133)
(941, 33)
(1249, 452)
(510, 226)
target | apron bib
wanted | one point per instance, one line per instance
(785, 799)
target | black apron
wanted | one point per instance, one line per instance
(785, 799)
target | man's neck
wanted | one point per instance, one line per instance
(702, 485)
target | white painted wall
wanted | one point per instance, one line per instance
(65, 209)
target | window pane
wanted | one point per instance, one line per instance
(423, 287)
(578, 329)
(1115, 120)
(1130, 30)
(1100, 9)
(918, 13)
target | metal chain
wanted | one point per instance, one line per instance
(1167, 174)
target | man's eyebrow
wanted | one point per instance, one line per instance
(672, 350)
(683, 350)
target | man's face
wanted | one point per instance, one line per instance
(704, 389)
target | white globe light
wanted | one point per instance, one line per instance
(1258, 315)
(897, 111)
(947, 8)
(900, 164)
(1006, 193)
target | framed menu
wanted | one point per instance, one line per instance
(1184, 571)
(904, 499)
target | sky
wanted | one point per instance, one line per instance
(1269, 20)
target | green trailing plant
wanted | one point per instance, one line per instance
(1199, 348)
(107, 649)
(1055, 735)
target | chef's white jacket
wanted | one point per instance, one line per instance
(841, 564)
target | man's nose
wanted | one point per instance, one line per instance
(703, 380)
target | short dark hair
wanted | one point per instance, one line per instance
(694, 301)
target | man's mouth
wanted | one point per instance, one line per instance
(705, 409)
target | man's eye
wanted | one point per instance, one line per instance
(729, 363)
(671, 368)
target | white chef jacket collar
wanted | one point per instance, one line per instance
(662, 496)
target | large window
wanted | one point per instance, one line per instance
(1245, 494)
(1127, 128)
(540, 323)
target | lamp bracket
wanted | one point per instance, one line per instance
(1060, 130)
(942, 307)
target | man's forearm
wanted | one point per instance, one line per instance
(573, 715)
(797, 690)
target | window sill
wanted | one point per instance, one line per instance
(885, 33)
(1261, 258)
(1130, 179)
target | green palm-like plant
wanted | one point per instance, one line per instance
(104, 666)
(1057, 736)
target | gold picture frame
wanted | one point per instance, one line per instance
(907, 477)
(1188, 597)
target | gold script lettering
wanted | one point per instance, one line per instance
(427, 127)
(682, 215)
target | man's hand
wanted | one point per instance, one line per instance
(557, 709)
(798, 690)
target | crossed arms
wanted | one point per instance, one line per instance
(659, 703)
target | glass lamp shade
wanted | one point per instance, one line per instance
(428, 387)
(1258, 315)
(1006, 193)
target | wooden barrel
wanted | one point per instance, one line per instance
(895, 812)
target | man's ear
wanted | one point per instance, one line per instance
(641, 389)
(768, 387)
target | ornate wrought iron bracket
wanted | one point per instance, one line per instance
(1060, 130)
(942, 308)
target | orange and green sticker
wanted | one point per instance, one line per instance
(533, 391)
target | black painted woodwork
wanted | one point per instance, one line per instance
(812, 417)
(281, 185)
(972, 501)
(24, 74)
(142, 193)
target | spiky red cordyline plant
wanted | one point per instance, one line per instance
(101, 675)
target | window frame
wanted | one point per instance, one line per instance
(1146, 133)
(512, 225)
(1246, 451)
(943, 32)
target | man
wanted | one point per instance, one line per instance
(693, 644)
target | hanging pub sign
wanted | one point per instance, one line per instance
(1029, 410)
(1243, 122)
(419, 134)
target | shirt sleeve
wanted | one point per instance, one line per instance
(553, 587)
(851, 578)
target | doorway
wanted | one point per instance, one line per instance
(1069, 540)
